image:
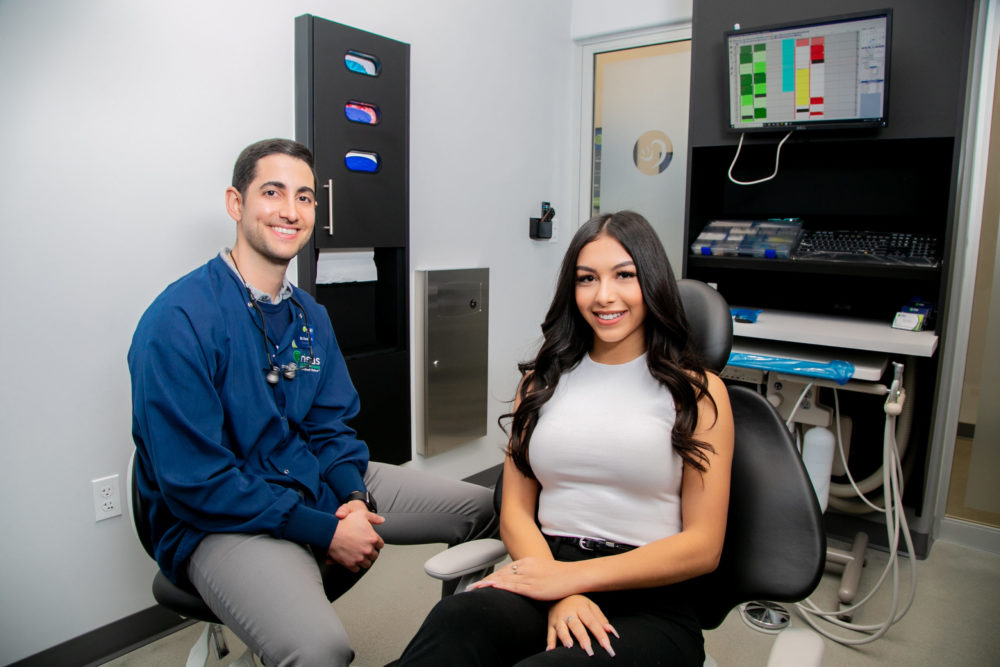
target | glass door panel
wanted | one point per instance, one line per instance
(640, 137)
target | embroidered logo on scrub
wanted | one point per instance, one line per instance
(305, 360)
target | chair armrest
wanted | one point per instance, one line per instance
(465, 558)
(796, 647)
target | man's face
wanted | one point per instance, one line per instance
(276, 216)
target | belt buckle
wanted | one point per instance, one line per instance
(585, 544)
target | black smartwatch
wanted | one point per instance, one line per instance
(363, 496)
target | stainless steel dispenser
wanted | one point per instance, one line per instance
(456, 352)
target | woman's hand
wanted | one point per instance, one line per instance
(535, 578)
(578, 616)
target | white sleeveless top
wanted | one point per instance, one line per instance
(602, 454)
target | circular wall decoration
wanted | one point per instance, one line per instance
(653, 152)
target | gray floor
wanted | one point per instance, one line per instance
(952, 621)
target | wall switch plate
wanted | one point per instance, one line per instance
(107, 497)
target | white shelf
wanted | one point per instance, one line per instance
(842, 332)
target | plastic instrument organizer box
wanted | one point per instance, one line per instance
(749, 238)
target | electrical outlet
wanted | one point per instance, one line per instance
(107, 497)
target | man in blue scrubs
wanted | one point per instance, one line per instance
(261, 496)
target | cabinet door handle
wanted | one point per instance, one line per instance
(329, 201)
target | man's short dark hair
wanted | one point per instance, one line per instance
(245, 169)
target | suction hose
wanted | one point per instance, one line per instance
(841, 493)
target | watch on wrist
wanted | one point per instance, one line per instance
(363, 496)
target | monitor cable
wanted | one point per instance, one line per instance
(777, 156)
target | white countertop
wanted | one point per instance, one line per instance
(839, 332)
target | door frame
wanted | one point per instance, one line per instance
(972, 186)
(586, 51)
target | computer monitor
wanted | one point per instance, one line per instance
(824, 73)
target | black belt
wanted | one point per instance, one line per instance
(590, 544)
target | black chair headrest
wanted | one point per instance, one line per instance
(710, 321)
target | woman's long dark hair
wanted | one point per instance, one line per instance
(567, 336)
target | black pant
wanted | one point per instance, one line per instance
(489, 626)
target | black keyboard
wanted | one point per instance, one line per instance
(867, 246)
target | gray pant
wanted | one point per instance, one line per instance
(275, 595)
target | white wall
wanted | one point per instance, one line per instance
(119, 126)
(501, 74)
(519, 298)
(596, 18)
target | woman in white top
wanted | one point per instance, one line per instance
(626, 488)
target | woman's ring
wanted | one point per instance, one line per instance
(514, 567)
(568, 619)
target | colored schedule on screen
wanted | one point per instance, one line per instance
(808, 74)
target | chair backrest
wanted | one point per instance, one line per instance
(709, 321)
(139, 513)
(179, 598)
(775, 547)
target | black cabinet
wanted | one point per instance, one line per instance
(903, 177)
(831, 184)
(352, 110)
(370, 208)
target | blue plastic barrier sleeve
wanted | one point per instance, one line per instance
(748, 315)
(836, 370)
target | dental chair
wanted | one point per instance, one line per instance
(775, 547)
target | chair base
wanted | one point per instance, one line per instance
(213, 640)
(765, 616)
